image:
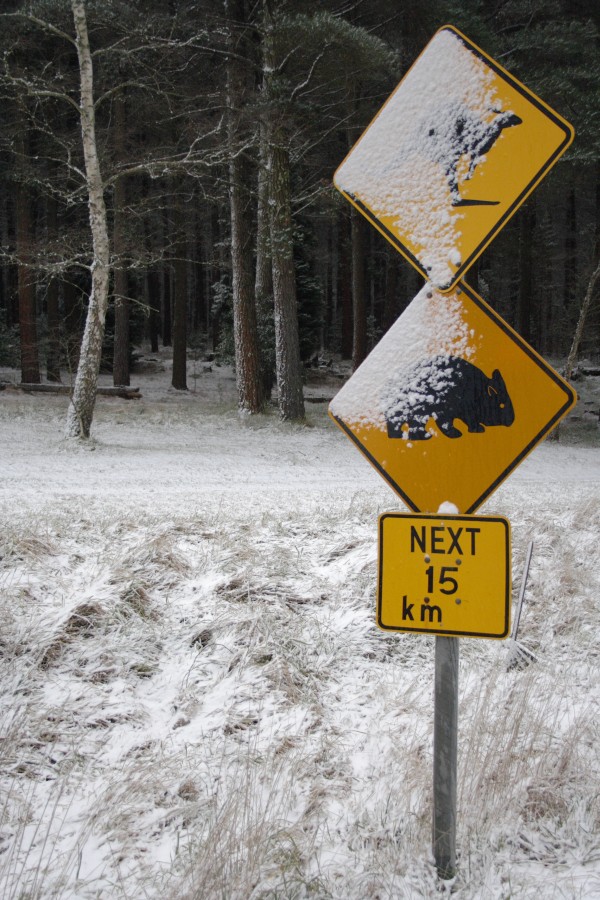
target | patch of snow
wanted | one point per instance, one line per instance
(195, 698)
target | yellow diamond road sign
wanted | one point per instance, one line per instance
(447, 575)
(452, 154)
(450, 401)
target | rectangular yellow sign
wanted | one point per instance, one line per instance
(444, 574)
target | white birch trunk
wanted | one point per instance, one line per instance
(81, 408)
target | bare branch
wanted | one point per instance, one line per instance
(47, 26)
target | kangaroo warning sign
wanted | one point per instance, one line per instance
(450, 401)
(446, 575)
(449, 158)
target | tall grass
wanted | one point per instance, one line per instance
(204, 708)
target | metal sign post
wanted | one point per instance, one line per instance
(445, 740)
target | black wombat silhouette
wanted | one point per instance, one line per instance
(465, 134)
(443, 389)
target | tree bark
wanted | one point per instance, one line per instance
(359, 299)
(263, 284)
(347, 328)
(179, 379)
(585, 308)
(287, 342)
(121, 373)
(52, 306)
(81, 408)
(30, 365)
(525, 300)
(153, 300)
(245, 334)
(165, 299)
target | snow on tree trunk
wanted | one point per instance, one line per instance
(81, 408)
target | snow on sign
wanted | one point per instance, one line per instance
(450, 401)
(447, 575)
(449, 158)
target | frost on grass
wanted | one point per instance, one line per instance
(195, 701)
(429, 136)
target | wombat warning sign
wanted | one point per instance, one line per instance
(450, 401)
(450, 157)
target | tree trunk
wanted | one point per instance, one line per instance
(525, 301)
(245, 335)
(570, 239)
(345, 260)
(585, 308)
(153, 299)
(165, 300)
(30, 365)
(263, 285)
(359, 300)
(179, 379)
(81, 408)
(8, 273)
(121, 342)
(53, 351)
(73, 322)
(287, 342)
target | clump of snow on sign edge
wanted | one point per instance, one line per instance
(447, 509)
(397, 169)
(433, 325)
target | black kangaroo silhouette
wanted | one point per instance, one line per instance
(468, 136)
(443, 389)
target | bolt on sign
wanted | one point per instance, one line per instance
(456, 149)
(445, 575)
(450, 401)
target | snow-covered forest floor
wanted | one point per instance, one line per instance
(196, 701)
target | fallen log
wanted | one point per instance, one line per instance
(127, 393)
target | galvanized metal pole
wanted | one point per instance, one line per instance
(445, 733)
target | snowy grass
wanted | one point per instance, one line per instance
(195, 701)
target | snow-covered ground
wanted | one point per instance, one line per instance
(196, 700)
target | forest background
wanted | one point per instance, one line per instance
(166, 172)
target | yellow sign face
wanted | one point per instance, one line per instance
(450, 401)
(447, 575)
(453, 153)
